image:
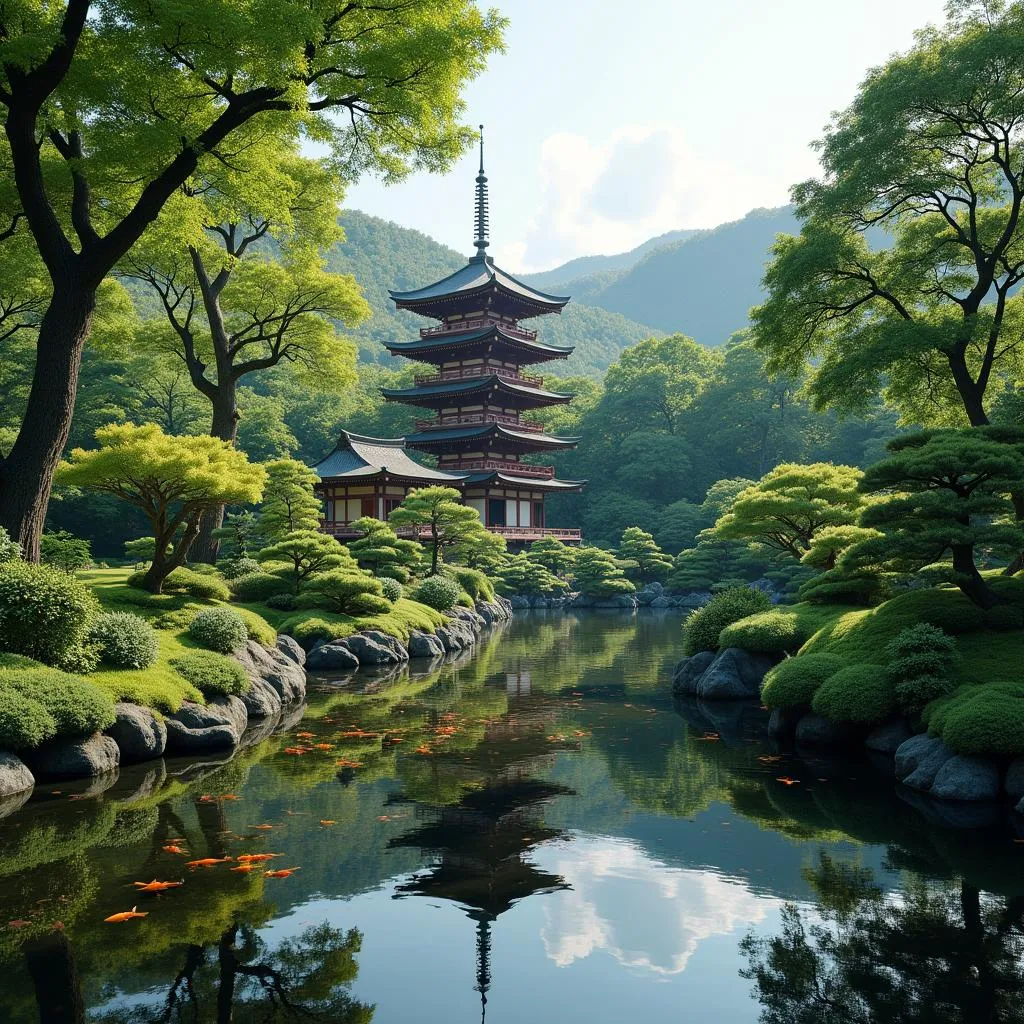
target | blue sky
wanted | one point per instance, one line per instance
(609, 123)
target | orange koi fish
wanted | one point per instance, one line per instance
(346, 763)
(207, 862)
(323, 746)
(156, 886)
(173, 848)
(327, 821)
(359, 734)
(787, 781)
(304, 735)
(126, 915)
(245, 867)
(262, 828)
(257, 858)
(230, 796)
(281, 872)
(295, 750)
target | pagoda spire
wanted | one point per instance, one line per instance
(481, 204)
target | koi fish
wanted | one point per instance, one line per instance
(323, 746)
(262, 828)
(708, 737)
(257, 858)
(173, 848)
(359, 734)
(304, 735)
(281, 872)
(787, 781)
(126, 915)
(207, 862)
(245, 867)
(295, 750)
(230, 796)
(327, 821)
(346, 763)
(423, 750)
(156, 886)
(207, 799)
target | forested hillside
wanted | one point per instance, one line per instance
(383, 255)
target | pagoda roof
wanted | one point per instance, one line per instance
(532, 483)
(480, 279)
(490, 430)
(471, 386)
(356, 456)
(472, 340)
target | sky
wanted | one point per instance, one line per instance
(610, 123)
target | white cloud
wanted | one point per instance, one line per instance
(607, 197)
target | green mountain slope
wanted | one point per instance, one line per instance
(383, 255)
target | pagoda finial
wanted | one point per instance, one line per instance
(481, 203)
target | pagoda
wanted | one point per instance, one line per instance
(479, 399)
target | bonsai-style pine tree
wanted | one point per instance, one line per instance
(638, 548)
(484, 551)
(555, 556)
(173, 480)
(944, 494)
(597, 574)
(523, 575)
(448, 521)
(289, 503)
(382, 552)
(716, 563)
(237, 533)
(307, 552)
(789, 505)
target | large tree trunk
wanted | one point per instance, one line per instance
(163, 565)
(26, 474)
(56, 980)
(224, 426)
(971, 583)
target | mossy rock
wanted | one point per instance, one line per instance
(985, 719)
(794, 682)
(858, 693)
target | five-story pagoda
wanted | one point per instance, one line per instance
(479, 397)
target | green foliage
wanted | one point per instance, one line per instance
(773, 632)
(482, 551)
(440, 509)
(597, 574)
(857, 693)
(346, 592)
(289, 504)
(44, 612)
(65, 551)
(309, 630)
(846, 586)
(257, 628)
(24, 722)
(141, 549)
(702, 627)
(986, 719)
(438, 592)
(77, 707)
(212, 674)
(282, 602)
(237, 534)
(525, 576)
(257, 586)
(714, 561)
(558, 558)
(793, 682)
(920, 662)
(124, 639)
(380, 551)
(306, 553)
(18, 661)
(391, 588)
(9, 549)
(219, 629)
(186, 581)
(638, 548)
(474, 582)
(233, 568)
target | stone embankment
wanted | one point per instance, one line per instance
(274, 701)
(653, 595)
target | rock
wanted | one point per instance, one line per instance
(888, 737)
(1014, 783)
(661, 602)
(332, 657)
(274, 667)
(519, 602)
(196, 728)
(951, 814)
(470, 617)
(817, 731)
(376, 648)
(138, 733)
(783, 722)
(261, 700)
(455, 636)
(734, 674)
(78, 758)
(694, 599)
(15, 777)
(623, 601)
(966, 778)
(688, 672)
(134, 785)
(291, 648)
(14, 802)
(919, 759)
(425, 645)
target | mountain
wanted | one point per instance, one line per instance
(383, 255)
(702, 285)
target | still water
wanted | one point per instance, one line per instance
(534, 834)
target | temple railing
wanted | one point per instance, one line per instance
(471, 372)
(476, 418)
(534, 533)
(503, 466)
(461, 326)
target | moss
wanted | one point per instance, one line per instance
(187, 581)
(77, 707)
(985, 719)
(857, 693)
(474, 582)
(257, 627)
(212, 673)
(18, 661)
(702, 627)
(794, 682)
(404, 616)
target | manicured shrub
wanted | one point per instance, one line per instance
(985, 719)
(391, 588)
(438, 592)
(842, 586)
(256, 586)
(257, 628)
(65, 551)
(18, 661)
(9, 549)
(281, 602)
(917, 692)
(473, 582)
(309, 631)
(702, 627)
(205, 569)
(773, 632)
(213, 674)
(219, 629)
(77, 707)
(920, 660)
(124, 639)
(232, 568)
(857, 693)
(24, 722)
(345, 592)
(44, 612)
(793, 682)
(185, 581)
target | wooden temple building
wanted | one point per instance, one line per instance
(476, 406)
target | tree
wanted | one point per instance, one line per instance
(307, 552)
(930, 156)
(485, 551)
(553, 554)
(289, 503)
(238, 532)
(638, 548)
(107, 117)
(524, 575)
(597, 574)
(715, 563)
(440, 509)
(787, 506)
(348, 592)
(173, 480)
(379, 550)
(944, 494)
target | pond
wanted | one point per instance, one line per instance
(534, 834)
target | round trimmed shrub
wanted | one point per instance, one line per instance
(24, 722)
(281, 602)
(773, 632)
(77, 707)
(438, 592)
(309, 631)
(858, 693)
(256, 586)
(702, 627)
(793, 682)
(186, 581)
(981, 719)
(219, 629)
(391, 588)
(232, 568)
(213, 674)
(124, 639)
(44, 612)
